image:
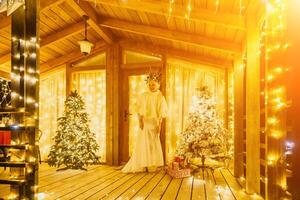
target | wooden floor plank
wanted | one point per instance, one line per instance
(210, 187)
(222, 187)
(198, 192)
(185, 190)
(135, 188)
(92, 185)
(99, 194)
(147, 189)
(159, 190)
(69, 180)
(78, 182)
(172, 190)
(234, 186)
(107, 182)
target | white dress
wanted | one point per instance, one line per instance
(147, 151)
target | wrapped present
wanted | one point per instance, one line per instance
(5, 137)
(180, 173)
(175, 165)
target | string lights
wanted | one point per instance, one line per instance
(274, 42)
(188, 10)
(217, 4)
(242, 7)
(25, 74)
(170, 10)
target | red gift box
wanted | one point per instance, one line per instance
(5, 137)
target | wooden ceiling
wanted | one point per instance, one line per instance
(213, 34)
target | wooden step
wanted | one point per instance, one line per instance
(12, 164)
(12, 181)
(11, 110)
(12, 146)
(16, 128)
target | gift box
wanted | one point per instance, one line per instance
(178, 168)
(180, 173)
(5, 137)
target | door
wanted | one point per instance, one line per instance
(133, 84)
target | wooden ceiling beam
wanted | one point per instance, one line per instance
(6, 21)
(175, 53)
(83, 8)
(175, 36)
(62, 33)
(49, 39)
(4, 75)
(162, 8)
(4, 58)
(71, 57)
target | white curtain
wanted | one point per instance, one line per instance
(91, 86)
(183, 79)
(52, 97)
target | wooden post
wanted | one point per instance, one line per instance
(226, 96)
(69, 85)
(164, 92)
(238, 116)
(252, 108)
(25, 81)
(113, 104)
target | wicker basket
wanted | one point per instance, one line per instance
(179, 173)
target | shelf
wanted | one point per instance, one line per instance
(11, 146)
(12, 110)
(12, 164)
(16, 128)
(12, 181)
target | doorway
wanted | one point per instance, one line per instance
(132, 86)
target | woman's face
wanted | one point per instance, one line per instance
(153, 86)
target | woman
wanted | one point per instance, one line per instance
(151, 110)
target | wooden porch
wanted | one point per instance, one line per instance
(107, 182)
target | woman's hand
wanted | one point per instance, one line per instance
(141, 123)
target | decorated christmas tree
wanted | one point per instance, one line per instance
(204, 136)
(75, 145)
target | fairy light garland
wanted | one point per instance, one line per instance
(188, 10)
(274, 41)
(30, 77)
(242, 7)
(217, 4)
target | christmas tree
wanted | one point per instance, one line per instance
(204, 135)
(75, 145)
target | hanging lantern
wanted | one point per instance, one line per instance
(85, 45)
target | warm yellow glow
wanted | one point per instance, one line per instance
(276, 134)
(270, 77)
(278, 70)
(92, 87)
(272, 159)
(272, 120)
(12, 196)
(52, 96)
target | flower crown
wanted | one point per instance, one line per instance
(154, 77)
